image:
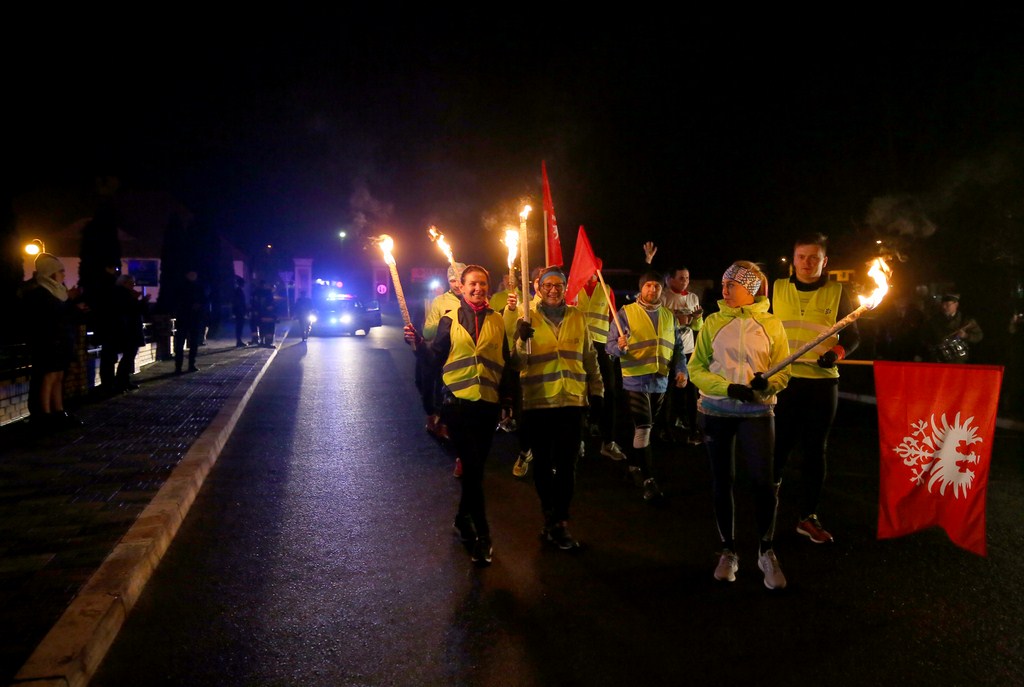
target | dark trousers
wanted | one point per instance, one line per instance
(193, 333)
(108, 364)
(471, 428)
(239, 327)
(126, 368)
(803, 417)
(753, 439)
(555, 441)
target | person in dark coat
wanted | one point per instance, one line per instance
(51, 311)
(190, 321)
(239, 310)
(130, 306)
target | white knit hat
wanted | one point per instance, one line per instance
(48, 265)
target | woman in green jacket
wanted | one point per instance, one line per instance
(736, 407)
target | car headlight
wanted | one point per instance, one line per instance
(346, 319)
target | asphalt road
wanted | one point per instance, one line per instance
(320, 552)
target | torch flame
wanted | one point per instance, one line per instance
(438, 238)
(879, 272)
(525, 213)
(387, 244)
(512, 241)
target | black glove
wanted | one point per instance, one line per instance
(523, 330)
(828, 359)
(759, 382)
(741, 392)
(596, 404)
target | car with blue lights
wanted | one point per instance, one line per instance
(341, 313)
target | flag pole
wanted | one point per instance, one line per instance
(615, 315)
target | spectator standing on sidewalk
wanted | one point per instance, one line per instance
(190, 321)
(51, 311)
(737, 342)
(239, 310)
(130, 307)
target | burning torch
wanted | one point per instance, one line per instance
(386, 244)
(511, 242)
(438, 238)
(879, 272)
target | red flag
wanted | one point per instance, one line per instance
(584, 266)
(553, 245)
(936, 423)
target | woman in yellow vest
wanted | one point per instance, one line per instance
(736, 408)
(558, 376)
(470, 352)
(649, 349)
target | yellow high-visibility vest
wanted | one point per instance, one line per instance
(595, 309)
(806, 322)
(649, 351)
(555, 364)
(474, 368)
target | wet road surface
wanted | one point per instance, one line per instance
(320, 552)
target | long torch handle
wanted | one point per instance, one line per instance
(401, 294)
(838, 326)
(615, 315)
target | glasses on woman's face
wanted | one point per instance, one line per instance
(557, 286)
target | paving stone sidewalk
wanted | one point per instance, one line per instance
(68, 496)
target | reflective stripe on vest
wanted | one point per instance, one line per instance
(653, 352)
(818, 316)
(595, 309)
(555, 366)
(473, 369)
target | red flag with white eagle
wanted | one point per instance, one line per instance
(552, 244)
(936, 424)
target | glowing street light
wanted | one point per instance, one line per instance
(35, 247)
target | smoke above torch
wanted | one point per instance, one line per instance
(879, 272)
(387, 244)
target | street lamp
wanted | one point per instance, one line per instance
(35, 247)
(342, 234)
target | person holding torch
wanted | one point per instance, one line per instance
(470, 352)
(559, 377)
(809, 304)
(735, 409)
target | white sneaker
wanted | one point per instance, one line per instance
(612, 450)
(769, 565)
(728, 564)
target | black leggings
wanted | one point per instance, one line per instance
(555, 441)
(804, 414)
(753, 436)
(471, 428)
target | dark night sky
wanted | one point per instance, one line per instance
(718, 137)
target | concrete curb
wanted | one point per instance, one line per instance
(75, 646)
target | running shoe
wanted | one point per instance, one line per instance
(811, 527)
(612, 450)
(728, 564)
(522, 465)
(769, 565)
(483, 552)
